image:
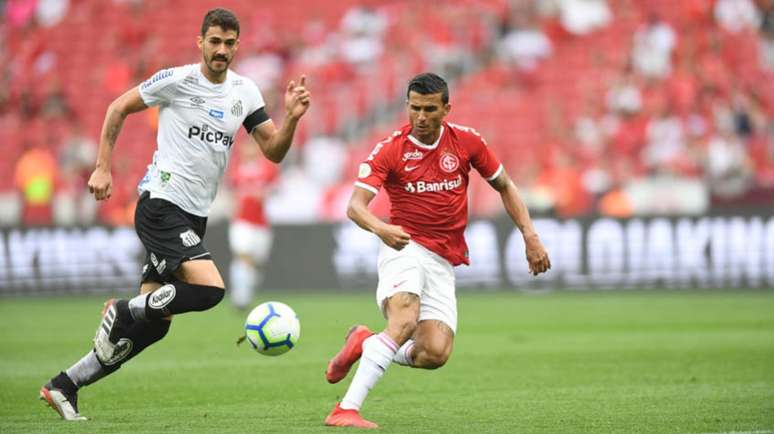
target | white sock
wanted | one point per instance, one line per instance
(403, 356)
(243, 278)
(378, 351)
(86, 371)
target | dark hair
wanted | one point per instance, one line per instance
(219, 17)
(428, 83)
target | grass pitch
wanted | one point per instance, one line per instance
(653, 362)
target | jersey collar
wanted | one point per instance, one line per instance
(419, 144)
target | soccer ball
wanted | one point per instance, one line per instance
(272, 328)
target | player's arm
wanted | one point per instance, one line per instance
(517, 210)
(100, 182)
(357, 210)
(274, 143)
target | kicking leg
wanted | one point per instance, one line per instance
(402, 311)
(61, 391)
(433, 343)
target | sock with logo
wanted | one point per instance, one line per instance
(173, 298)
(378, 352)
(140, 335)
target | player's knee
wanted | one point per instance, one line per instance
(431, 355)
(210, 296)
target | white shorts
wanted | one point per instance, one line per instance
(422, 272)
(250, 240)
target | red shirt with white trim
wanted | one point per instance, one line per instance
(427, 184)
(252, 181)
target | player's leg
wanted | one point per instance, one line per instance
(402, 311)
(432, 343)
(250, 246)
(61, 391)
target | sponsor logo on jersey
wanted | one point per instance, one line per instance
(160, 266)
(449, 162)
(157, 77)
(165, 176)
(408, 168)
(162, 296)
(424, 186)
(191, 80)
(210, 135)
(413, 155)
(364, 170)
(217, 114)
(237, 82)
(197, 101)
(190, 238)
(236, 109)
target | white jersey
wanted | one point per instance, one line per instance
(198, 120)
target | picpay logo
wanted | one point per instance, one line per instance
(210, 135)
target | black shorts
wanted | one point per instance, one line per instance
(170, 235)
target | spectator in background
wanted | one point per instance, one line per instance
(35, 175)
(736, 15)
(524, 44)
(665, 146)
(49, 13)
(653, 46)
(250, 236)
(581, 17)
(72, 204)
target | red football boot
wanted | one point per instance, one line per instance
(339, 366)
(352, 418)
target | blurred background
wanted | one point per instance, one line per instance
(639, 132)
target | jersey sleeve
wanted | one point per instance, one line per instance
(161, 87)
(256, 113)
(482, 158)
(374, 170)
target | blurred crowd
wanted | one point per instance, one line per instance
(618, 107)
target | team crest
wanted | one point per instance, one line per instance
(236, 109)
(190, 238)
(449, 162)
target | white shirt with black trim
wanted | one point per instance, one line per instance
(198, 120)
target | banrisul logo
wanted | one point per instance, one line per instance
(210, 135)
(424, 186)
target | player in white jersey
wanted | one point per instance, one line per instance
(201, 108)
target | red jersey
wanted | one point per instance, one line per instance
(427, 184)
(252, 181)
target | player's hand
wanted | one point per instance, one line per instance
(536, 255)
(394, 236)
(297, 98)
(101, 184)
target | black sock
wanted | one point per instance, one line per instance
(181, 297)
(140, 335)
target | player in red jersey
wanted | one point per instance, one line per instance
(425, 169)
(250, 236)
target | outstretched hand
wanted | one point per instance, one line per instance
(537, 257)
(297, 98)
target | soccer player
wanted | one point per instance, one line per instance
(425, 168)
(249, 235)
(201, 108)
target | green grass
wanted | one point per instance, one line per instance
(654, 362)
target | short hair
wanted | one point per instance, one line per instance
(219, 17)
(428, 83)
